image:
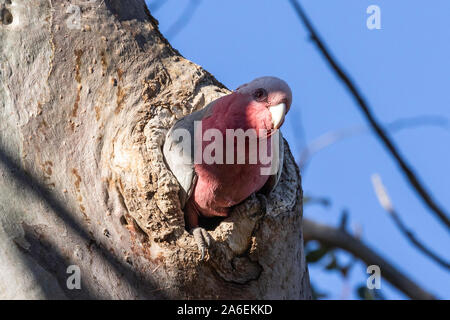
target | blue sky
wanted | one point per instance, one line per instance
(402, 69)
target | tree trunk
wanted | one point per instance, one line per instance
(88, 90)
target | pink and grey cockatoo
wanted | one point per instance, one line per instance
(211, 189)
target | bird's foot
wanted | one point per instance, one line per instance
(203, 240)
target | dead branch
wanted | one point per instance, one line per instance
(378, 129)
(338, 238)
(386, 203)
(183, 20)
(332, 137)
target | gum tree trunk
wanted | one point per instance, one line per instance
(88, 90)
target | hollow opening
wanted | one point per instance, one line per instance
(210, 223)
(6, 16)
(123, 220)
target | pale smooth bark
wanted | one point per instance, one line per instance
(84, 108)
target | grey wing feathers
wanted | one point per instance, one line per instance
(179, 156)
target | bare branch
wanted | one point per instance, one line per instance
(156, 5)
(381, 133)
(337, 238)
(308, 200)
(183, 20)
(386, 203)
(332, 137)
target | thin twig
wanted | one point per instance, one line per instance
(332, 137)
(155, 5)
(337, 238)
(183, 20)
(386, 203)
(308, 200)
(413, 179)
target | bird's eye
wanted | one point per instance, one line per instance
(260, 94)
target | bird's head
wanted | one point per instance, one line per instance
(269, 99)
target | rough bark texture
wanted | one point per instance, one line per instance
(83, 115)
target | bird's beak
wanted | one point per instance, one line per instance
(278, 112)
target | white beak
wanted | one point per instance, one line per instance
(278, 112)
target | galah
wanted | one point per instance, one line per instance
(211, 189)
